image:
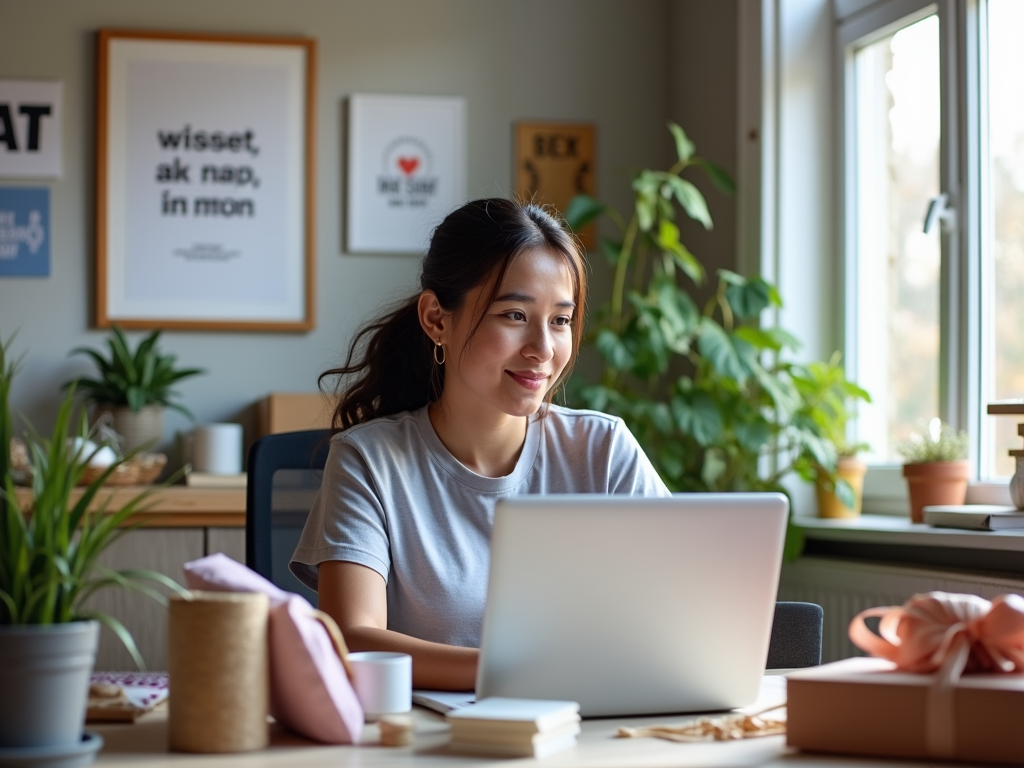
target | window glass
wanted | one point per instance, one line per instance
(896, 171)
(1003, 259)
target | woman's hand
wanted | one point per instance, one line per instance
(356, 598)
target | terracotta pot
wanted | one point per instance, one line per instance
(137, 428)
(937, 482)
(852, 470)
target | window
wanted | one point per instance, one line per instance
(932, 218)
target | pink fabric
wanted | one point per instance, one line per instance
(946, 635)
(309, 690)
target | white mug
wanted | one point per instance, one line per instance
(217, 449)
(383, 682)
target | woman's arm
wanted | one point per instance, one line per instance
(356, 598)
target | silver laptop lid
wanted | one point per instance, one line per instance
(632, 605)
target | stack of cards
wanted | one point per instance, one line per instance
(515, 727)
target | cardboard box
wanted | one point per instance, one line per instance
(861, 706)
(291, 412)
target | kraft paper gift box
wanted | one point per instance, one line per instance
(862, 706)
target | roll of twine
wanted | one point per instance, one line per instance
(219, 677)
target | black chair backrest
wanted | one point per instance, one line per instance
(284, 473)
(796, 636)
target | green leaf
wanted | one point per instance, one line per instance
(749, 298)
(718, 175)
(646, 186)
(667, 238)
(713, 468)
(697, 416)
(753, 435)
(692, 201)
(582, 209)
(684, 147)
(613, 350)
(611, 249)
(794, 543)
(720, 351)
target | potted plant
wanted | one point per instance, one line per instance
(134, 387)
(49, 565)
(935, 466)
(828, 401)
(704, 386)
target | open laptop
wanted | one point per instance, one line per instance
(632, 605)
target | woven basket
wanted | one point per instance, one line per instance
(140, 470)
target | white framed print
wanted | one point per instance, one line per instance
(204, 206)
(406, 169)
(30, 129)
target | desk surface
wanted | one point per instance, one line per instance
(144, 744)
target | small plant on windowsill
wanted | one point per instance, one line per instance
(935, 466)
(829, 401)
(51, 540)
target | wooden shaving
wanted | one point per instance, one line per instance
(724, 728)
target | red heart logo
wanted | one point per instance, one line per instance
(408, 164)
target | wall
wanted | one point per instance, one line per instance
(703, 101)
(606, 61)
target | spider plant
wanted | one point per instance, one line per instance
(50, 544)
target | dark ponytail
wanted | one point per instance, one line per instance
(393, 359)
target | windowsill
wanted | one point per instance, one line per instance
(889, 529)
(896, 541)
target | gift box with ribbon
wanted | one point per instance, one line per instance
(946, 681)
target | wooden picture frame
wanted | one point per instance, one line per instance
(205, 192)
(554, 162)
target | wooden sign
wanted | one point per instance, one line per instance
(554, 163)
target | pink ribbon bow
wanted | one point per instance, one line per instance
(946, 635)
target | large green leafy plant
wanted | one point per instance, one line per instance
(705, 387)
(136, 378)
(50, 545)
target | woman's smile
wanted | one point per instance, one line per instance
(530, 380)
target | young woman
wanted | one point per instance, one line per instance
(451, 410)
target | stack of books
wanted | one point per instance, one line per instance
(504, 727)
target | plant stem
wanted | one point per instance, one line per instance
(619, 286)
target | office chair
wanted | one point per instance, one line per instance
(796, 636)
(284, 474)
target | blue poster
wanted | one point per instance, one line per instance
(24, 231)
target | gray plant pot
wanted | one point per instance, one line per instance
(44, 683)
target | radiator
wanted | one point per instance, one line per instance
(844, 588)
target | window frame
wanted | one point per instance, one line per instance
(962, 337)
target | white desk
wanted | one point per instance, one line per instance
(144, 744)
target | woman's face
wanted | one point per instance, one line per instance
(523, 342)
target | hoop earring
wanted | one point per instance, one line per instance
(439, 346)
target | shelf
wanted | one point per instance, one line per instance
(174, 506)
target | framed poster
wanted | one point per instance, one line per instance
(30, 129)
(406, 169)
(24, 232)
(204, 204)
(554, 163)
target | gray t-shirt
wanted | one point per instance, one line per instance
(395, 500)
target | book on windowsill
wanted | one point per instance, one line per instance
(975, 517)
(209, 480)
(511, 727)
